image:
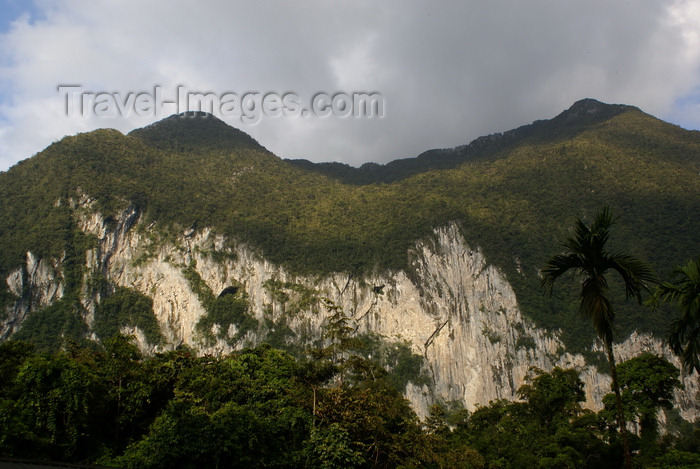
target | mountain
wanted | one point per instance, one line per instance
(190, 232)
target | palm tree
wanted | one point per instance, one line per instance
(587, 256)
(684, 291)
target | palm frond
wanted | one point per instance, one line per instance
(636, 275)
(684, 291)
(586, 254)
(557, 266)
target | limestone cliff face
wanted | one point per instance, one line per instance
(454, 309)
(37, 283)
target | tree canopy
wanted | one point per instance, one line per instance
(262, 407)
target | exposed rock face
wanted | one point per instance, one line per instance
(37, 283)
(456, 311)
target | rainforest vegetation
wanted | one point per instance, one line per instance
(332, 408)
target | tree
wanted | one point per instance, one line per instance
(647, 382)
(338, 333)
(587, 255)
(378, 420)
(331, 448)
(236, 411)
(553, 396)
(503, 433)
(127, 398)
(684, 291)
(16, 434)
(62, 405)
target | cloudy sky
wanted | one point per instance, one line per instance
(448, 72)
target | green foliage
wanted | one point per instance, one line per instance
(225, 312)
(236, 411)
(677, 460)
(263, 408)
(377, 419)
(221, 257)
(525, 342)
(647, 383)
(50, 327)
(281, 336)
(198, 285)
(684, 292)
(514, 435)
(338, 335)
(331, 448)
(12, 356)
(588, 257)
(193, 131)
(403, 365)
(362, 355)
(598, 360)
(138, 390)
(397, 358)
(59, 402)
(6, 299)
(222, 311)
(127, 307)
(293, 297)
(553, 395)
(493, 336)
(496, 432)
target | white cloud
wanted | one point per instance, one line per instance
(449, 71)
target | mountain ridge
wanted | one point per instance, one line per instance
(581, 115)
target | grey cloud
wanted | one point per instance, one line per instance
(449, 71)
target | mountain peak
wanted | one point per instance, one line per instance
(590, 109)
(192, 130)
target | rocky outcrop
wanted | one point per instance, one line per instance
(36, 284)
(452, 307)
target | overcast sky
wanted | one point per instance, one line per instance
(448, 72)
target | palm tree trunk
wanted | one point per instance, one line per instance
(621, 423)
(313, 423)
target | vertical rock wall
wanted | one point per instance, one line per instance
(454, 309)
